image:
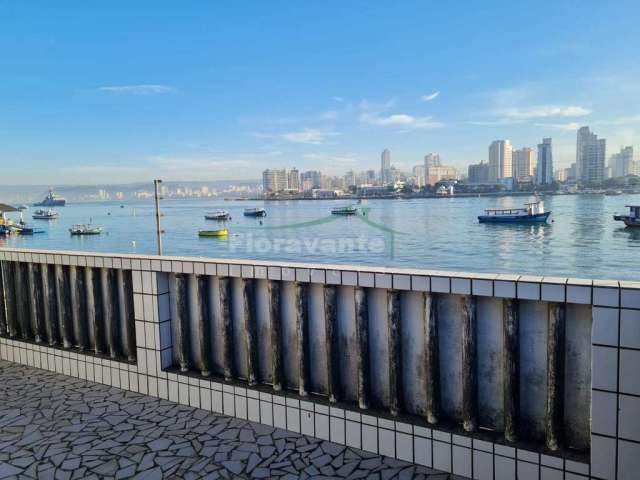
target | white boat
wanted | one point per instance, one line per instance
(532, 213)
(348, 210)
(41, 214)
(255, 212)
(85, 229)
(220, 215)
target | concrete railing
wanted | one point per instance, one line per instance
(488, 376)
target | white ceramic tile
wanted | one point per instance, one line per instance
(505, 289)
(630, 328)
(352, 434)
(333, 277)
(293, 419)
(241, 407)
(337, 430)
(604, 368)
(528, 290)
(228, 404)
(253, 410)
(366, 279)
(386, 442)
(628, 460)
(461, 457)
(317, 276)
(461, 286)
(607, 297)
(370, 438)
(441, 284)
(266, 412)
(349, 278)
(442, 456)
(279, 416)
(629, 376)
(629, 417)
(605, 326)
(548, 473)
(307, 426)
(420, 284)
(603, 405)
(578, 294)
(422, 451)
(404, 445)
(527, 471)
(630, 298)
(322, 426)
(576, 467)
(505, 468)
(482, 465)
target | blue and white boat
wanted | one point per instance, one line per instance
(532, 213)
(631, 220)
(255, 212)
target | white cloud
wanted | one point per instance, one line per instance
(431, 96)
(400, 120)
(144, 89)
(544, 111)
(338, 99)
(565, 127)
(308, 136)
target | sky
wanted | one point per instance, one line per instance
(120, 91)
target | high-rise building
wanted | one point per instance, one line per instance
(311, 179)
(350, 179)
(442, 172)
(621, 163)
(293, 179)
(524, 164)
(385, 167)
(544, 168)
(500, 159)
(590, 155)
(432, 160)
(479, 173)
(418, 175)
(274, 180)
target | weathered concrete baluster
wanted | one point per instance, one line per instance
(555, 374)
(35, 301)
(249, 326)
(511, 365)
(64, 306)
(22, 296)
(125, 302)
(395, 351)
(432, 358)
(469, 365)
(302, 327)
(78, 307)
(9, 272)
(227, 328)
(362, 346)
(331, 339)
(276, 334)
(204, 328)
(181, 301)
(110, 309)
(90, 307)
(95, 308)
(3, 303)
(50, 304)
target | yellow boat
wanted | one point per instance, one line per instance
(214, 233)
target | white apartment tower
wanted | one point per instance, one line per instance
(590, 155)
(500, 160)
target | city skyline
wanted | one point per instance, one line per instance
(128, 92)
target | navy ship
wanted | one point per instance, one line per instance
(51, 200)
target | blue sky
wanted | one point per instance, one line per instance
(115, 91)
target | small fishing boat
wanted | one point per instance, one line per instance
(349, 210)
(24, 230)
(220, 215)
(223, 232)
(613, 192)
(631, 220)
(255, 212)
(85, 229)
(41, 214)
(532, 213)
(22, 207)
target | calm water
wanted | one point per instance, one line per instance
(441, 234)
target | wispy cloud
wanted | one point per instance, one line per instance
(565, 127)
(309, 136)
(403, 120)
(337, 99)
(143, 89)
(431, 96)
(544, 111)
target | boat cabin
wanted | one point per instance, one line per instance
(532, 208)
(634, 211)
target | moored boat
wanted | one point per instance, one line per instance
(532, 213)
(631, 220)
(223, 232)
(255, 212)
(85, 229)
(348, 210)
(220, 215)
(45, 214)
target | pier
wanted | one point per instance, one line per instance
(482, 375)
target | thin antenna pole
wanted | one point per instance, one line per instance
(156, 185)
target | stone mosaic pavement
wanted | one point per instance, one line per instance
(54, 426)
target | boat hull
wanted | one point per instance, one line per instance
(51, 203)
(255, 214)
(536, 218)
(628, 221)
(213, 233)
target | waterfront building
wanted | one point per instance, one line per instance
(311, 179)
(524, 164)
(590, 155)
(418, 176)
(439, 173)
(544, 167)
(479, 172)
(621, 163)
(385, 167)
(500, 160)
(350, 179)
(274, 180)
(293, 179)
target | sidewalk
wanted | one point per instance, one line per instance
(54, 426)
